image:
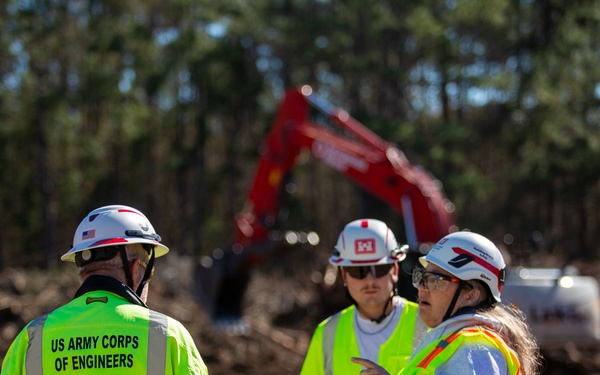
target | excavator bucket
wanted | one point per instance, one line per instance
(221, 279)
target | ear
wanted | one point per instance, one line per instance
(395, 272)
(343, 275)
(473, 296)
(137, 271)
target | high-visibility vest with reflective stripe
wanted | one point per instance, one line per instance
(440, 351)
(334, 343)
(102, 333)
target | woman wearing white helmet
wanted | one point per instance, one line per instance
(367, 256)
(459, 288)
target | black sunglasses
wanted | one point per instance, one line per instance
(360, 272)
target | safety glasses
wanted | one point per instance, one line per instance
(432, 280)
(360, 272)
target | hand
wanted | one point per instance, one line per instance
(371, 368)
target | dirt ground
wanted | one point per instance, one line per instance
(281, 308)
(274, 342)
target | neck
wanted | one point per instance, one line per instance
(110, 284)
(375, 313)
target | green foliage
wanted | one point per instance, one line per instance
(164, 105)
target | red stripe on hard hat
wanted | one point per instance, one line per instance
(364, 223)
(387, 236)
(478, 260)
(131, 211)
(364, 261)
(109, 242)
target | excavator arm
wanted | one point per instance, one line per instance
(372, 163)
(348, 147)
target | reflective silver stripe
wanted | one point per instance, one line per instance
(328, 340)
(33, 359)
(157, 343)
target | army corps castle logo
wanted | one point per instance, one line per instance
(364, 246)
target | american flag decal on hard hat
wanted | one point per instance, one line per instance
(86, 235)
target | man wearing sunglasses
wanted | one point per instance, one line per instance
(108, 328)
(379, 325)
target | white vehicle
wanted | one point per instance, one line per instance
(561, 306)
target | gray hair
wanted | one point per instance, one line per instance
(515, 331)
(114, 267)
(512, 327)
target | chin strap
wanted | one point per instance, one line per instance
(461, 285)
(395, 293)
(126, 266)
(384, 315)
(127, 270)
(147, 274)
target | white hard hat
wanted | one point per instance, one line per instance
(366, 242)
(469, 256)
(111, 226)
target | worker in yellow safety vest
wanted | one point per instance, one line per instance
(459, 288)
(379, 325)
(107, 328)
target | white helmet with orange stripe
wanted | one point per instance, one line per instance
(111, 226)
(366, 242)
(470, 256)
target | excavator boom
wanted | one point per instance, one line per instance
(360, 155)
(346, 146)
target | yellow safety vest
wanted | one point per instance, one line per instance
(103, 333)
(334, 343)
(438, 352)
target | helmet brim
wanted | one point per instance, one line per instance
(424, 262)
(337, 261)
(69, 256)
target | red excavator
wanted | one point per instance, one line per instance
(359, 154)
(559, 306)
(349, 148)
